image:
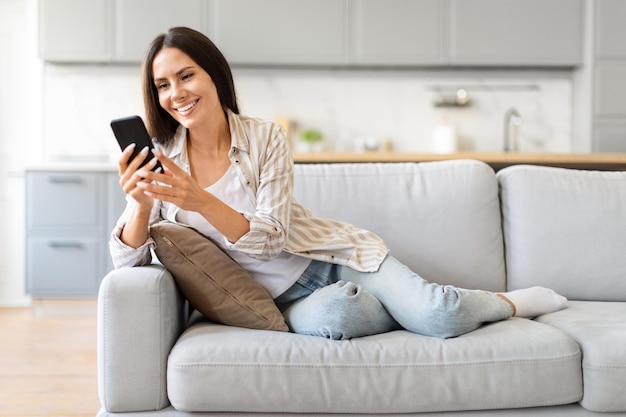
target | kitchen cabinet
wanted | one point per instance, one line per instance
(69, 215)
(609, 28)
(514, 32)
(307, 32)
(609, 82)
(400, 32)
(71, 30)
(325, 32)
(610, 88)
(137, 22)
(110, 30)
(469, 32)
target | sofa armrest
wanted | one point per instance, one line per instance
(140, 316)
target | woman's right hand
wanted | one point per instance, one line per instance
(129, 178)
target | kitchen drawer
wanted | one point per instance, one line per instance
(64, 199)
(70, 266)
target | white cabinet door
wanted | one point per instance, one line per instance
(138, 22)
(400, 32)
(610, 138)
(282, 31)
(610, 89)
(71, 30)
(516, 32)
(610, 31)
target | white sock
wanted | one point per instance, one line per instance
(535, 301)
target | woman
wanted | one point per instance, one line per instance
(231, 177)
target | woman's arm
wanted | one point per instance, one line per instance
(129, 239)
(270, 165)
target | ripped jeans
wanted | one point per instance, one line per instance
(340, 303)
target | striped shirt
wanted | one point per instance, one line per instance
(262, 158)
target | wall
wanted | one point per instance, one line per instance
(348, 106)
(20, 137)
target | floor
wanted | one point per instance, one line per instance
(48, 360)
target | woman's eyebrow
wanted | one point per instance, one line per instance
(180, 71)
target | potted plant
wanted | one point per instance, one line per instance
(312, 140)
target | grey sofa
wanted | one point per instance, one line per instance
(454, 222)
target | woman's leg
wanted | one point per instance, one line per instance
(320, 305)
(425, 308)
(340, 311)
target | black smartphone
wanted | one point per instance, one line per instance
(129, 130)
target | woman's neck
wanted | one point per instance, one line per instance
(212, 139)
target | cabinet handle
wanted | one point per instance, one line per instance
(65, 180)
(65, 245)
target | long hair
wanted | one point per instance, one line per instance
(204, 53)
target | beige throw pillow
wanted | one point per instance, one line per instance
(212, 281)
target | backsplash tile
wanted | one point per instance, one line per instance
(348, 106)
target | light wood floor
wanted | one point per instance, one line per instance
(48, 361)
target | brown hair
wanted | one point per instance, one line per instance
(204, 53)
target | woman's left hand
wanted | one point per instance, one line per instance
(174, 185)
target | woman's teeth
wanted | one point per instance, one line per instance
(187, 107)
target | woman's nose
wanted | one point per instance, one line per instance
(178, 92)
(349, 288)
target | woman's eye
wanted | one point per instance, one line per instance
(186, 77)
(161, 86)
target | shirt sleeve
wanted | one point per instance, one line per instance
(270, 221)
(124, 256)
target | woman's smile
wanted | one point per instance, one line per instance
(186, 109)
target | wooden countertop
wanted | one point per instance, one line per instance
(599, 161)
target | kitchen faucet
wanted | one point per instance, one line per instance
(511, 117)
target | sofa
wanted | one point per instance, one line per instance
(454, 222)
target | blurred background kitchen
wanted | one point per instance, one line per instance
(418, 76)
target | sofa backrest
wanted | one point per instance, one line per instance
(565, 229)
(442, 219)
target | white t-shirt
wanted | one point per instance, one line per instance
(276, 275)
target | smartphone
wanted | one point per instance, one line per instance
(129, 130)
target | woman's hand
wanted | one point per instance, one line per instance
(174, 186)
(130, 178)
(177, 187)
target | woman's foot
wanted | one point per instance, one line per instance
(534, 301)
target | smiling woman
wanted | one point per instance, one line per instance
(231, 178)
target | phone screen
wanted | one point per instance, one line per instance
(129, 130)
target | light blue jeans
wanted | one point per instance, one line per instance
(340, 303)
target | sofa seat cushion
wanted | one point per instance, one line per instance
(600, 330)
(509, 364)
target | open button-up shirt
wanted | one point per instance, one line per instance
(262, 158)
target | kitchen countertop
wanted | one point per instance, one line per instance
(598, 161)
(498, 160)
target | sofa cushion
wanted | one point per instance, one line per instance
(565, 229)
(441, 219)
(509, 364)
(213, 282)
(600, 330)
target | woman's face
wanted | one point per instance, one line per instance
(185, 90)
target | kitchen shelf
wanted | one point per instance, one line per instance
(589, 161)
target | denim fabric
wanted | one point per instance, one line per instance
(340, 303)
(425, 308)
(317, 275)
